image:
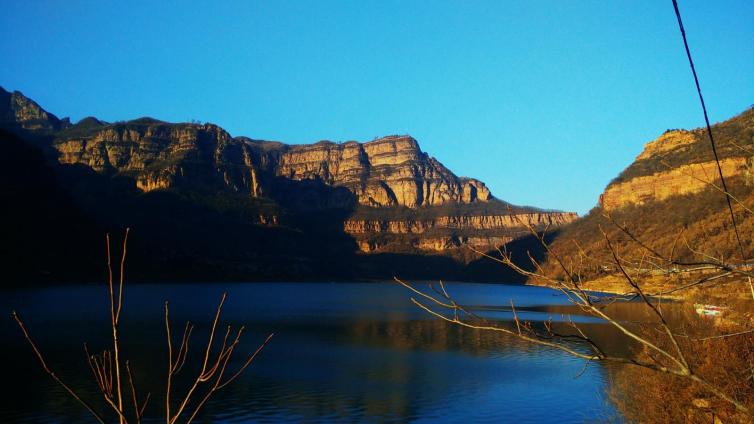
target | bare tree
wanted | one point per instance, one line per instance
(108, 374)
(665, 351)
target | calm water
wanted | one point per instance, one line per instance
(342, 353)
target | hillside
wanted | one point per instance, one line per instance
(207, 205)
(666, 199)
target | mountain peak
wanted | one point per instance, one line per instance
(19, 111)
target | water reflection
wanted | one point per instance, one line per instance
(342, 353)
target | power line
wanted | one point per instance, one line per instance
(709, 129)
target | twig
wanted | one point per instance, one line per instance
(51, 373)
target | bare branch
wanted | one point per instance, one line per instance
(51, 373)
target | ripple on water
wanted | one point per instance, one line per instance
(342, 353)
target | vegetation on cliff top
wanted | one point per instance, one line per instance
(734, 138)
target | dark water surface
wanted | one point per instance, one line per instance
(347, 352)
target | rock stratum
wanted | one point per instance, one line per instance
(670, 198)
(680, 162)
(448, 232)
(390, 171)
(261, 201)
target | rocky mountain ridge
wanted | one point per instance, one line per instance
(669, 198)
(389, 171)
(680, 162)
(209, 199)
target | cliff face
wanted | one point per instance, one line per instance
(156, 154)
(18, 110)
(685, 179)
(680, 162)
(488, 222)
(391, 171)
(449, 232)
(385, 173)
(272, 208)
(669, 199)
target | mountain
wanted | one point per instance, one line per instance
(213, 206)
(681, 162)
(669, 198)
(18, 111)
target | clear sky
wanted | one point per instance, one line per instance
(545, 101)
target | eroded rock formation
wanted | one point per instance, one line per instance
(18, 110)
(448, 232)
(384, 175)
(681, 162)
(390, 171)
(685, 179)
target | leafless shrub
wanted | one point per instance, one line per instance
(664, 349)
(108, 374)
(684, 370)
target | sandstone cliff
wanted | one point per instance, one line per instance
(380, 196)
(481, 232)
(680, 162)
(684, 179)
(390, 171)
(384, 173)
(669, 198)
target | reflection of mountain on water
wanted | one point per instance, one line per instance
(350, 352)
(401, 369)
(437, 335)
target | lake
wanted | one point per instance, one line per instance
(342, 352)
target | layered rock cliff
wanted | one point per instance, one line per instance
(384, 173)
(448, 232)
(670, 200)
(681, 180)
(489, 222)
(390, 171)
(334, 201)
(680, 162)
(17, 110)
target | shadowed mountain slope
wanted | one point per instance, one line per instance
(206, 205)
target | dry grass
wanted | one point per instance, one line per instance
(644, 396)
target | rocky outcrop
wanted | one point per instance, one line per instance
(669, 141)
(685, 179)
(18, 110)
(390, 171)
(449, 232)
(489, 222)
(388, 176)
(681, 162)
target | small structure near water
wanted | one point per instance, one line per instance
(708, 310)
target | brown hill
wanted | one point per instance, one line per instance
(668, 200)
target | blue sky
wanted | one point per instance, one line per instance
(545, 101)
